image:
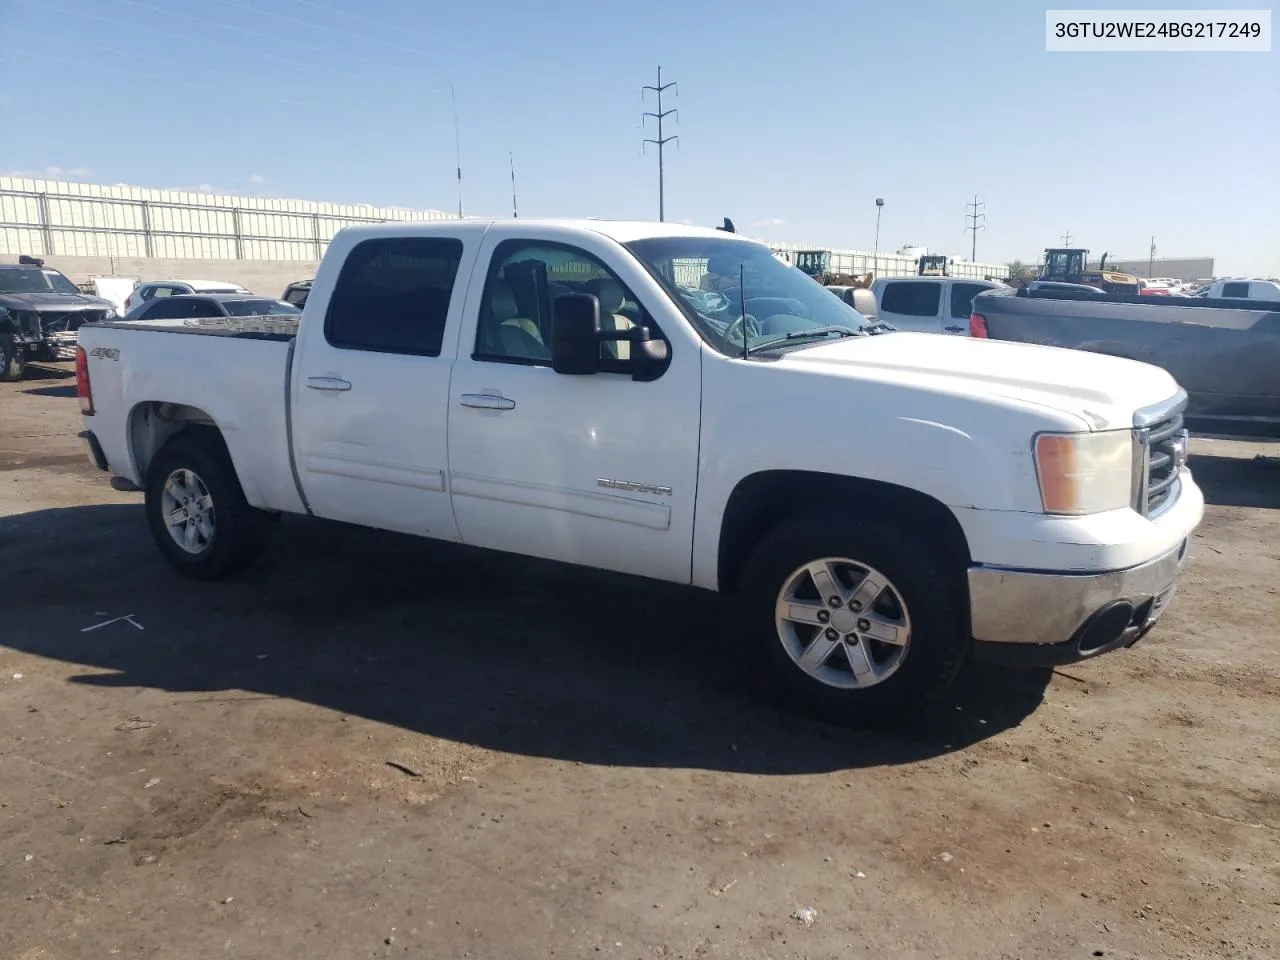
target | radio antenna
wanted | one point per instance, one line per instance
(512, 158)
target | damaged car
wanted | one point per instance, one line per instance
(40, 315)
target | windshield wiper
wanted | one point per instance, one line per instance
(804, 335)
(876, 326)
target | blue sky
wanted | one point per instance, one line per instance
(793, 118)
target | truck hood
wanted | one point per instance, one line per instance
(1102, 391)
(60, 302)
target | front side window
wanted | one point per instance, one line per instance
(525, 278)
(393, 295)
(169, 309)
(731, 289)
(910, 298)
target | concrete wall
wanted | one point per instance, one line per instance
(265, 277)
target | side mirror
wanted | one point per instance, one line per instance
(575, 334)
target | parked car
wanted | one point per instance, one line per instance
(1241, 290)
(928, 304)
(296, 293)
(150, 289)
(1154, 288)
(1225, 354)
(40, 315)
(873, 500)
(192, 306)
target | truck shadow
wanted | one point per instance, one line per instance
(1238, 481)
(502, 652)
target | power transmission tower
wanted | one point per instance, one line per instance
(973, 226)
(661, 141)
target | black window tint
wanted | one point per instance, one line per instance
(146, 293)
(1235, 290)
(911, 299)
(962, 295)
(165, 309)
(524, 280)
(202, 308)
(393, 295)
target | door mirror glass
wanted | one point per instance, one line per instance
(575, 334)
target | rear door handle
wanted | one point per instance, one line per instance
(328, 383)
(954, 329)
(487, 401)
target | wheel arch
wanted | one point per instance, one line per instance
(151, 424)
(763, 500)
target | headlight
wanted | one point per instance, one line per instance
(109, 313)
(1084, 473)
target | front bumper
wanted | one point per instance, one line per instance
(1027, 618)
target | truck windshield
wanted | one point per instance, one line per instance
(707, 276)
(60, 284)
(32, 280)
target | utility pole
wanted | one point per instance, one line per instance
(1066, 239)
(879, 207)
(975, 217)
(457, 146)
(512, 158)
(661, 141)
(1151, 258)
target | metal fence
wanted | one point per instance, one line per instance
(860, 262)
(58, 218)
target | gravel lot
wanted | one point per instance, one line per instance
(380, 747)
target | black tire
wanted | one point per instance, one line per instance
(13, 361)
(238, 530)
(931, 588)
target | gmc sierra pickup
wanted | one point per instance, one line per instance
(671, 402)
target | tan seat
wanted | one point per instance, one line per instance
(612, 297)
(507, 334)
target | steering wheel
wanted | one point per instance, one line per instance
(734, 330)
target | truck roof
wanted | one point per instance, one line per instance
(623, 231)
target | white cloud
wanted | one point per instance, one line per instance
(771, 222)
(257, 178)
(53, 173)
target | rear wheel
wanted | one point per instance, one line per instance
(853, 620)
(196, 510)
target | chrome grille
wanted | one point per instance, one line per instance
(1161, 450)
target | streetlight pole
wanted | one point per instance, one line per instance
(879, 207)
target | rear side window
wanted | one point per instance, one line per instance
(911, 299)
(962, 295)
(393, 294)
(1236, 290)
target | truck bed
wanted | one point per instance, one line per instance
(233, 370)
(1225, 353)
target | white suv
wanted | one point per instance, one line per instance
(150, 289)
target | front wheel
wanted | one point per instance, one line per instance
(13, 360)
(196, 510)
(853, 619)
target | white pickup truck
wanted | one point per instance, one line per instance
(602, 393)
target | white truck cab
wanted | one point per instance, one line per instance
(676, 403)
(928, 304)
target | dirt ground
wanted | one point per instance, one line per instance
(380, 747)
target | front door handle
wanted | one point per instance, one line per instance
(328, 383)
(487, 401)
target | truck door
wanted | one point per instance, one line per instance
(370, 389)
(912, 305)
(596, 469)
(961, 306)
